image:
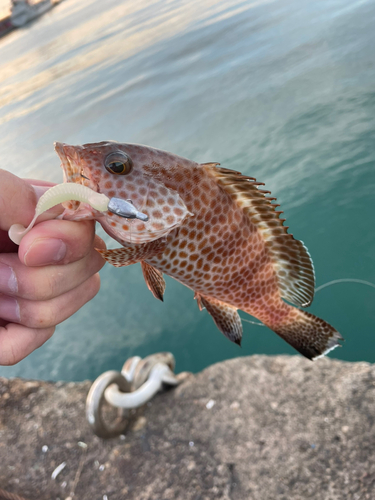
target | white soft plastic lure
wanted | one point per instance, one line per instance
(59, 194)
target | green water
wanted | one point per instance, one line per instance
(280, 90)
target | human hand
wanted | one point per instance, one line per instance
(45, 280)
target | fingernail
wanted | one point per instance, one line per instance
(45, 251)
(8, 280)
(9, 309)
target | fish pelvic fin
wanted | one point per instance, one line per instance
(225, 316)
(154, 280)
(131, 254)
(309, 335)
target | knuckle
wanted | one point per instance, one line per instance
(39, 315)
(95, 284)
(92, 287)
(29, 290)
(51, 285)
(8, 356)
(40, 287)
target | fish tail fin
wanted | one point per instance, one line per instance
(309, 335)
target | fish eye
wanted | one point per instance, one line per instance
(118, 163)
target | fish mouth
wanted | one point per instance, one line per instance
(71, 163)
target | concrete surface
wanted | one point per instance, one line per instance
(250, 428)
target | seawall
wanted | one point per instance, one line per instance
(275, 428)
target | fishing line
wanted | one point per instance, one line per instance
(344, 280)
(252, 322)
(329, 283)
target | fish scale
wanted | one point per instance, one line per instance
(210, 228)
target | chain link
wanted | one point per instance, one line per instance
(139, 381)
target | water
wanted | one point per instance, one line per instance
(281, 90)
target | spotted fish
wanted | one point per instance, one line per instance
(211, 228)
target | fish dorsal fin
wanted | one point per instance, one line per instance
(154, 280)
(290, 257)
(226, 317)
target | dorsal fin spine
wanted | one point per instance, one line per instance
(292, 262)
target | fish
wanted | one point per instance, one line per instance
(211, 228)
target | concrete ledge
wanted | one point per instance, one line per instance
(276, 428)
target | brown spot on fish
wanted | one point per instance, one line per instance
(179, 177)
(191, 246)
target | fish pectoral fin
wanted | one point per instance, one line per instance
(211, 164)
(79, 213)
(226, 317)
(131, 254)
(154, 280)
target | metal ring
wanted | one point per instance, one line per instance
(94, 404)
(144, 367)
(129, 367)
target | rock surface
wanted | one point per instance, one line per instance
(275, 428)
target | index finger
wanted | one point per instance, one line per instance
(18, 199)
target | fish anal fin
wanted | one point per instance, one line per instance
(131, 254)
(154, 280)
(291, 260)
(309, 335)
(226, 317)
